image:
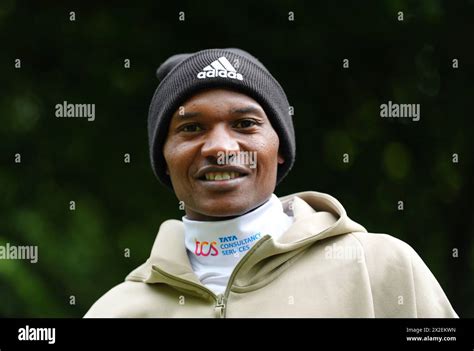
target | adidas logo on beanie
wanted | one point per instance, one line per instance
(221, 68)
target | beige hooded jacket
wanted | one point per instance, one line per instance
(325, 265)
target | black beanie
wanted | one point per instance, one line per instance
(183, 75)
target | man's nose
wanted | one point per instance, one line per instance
(219, 140)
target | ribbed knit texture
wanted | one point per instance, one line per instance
(179, 81)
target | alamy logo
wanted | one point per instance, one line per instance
(241, 158)
(37, 334)
(395, 110)
(75, 110)
(344, 252)
(220, 68)
(13, 252)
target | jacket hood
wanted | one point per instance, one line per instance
(317, 216)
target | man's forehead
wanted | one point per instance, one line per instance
(219, 96)
(194, 111)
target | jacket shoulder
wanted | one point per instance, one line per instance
(402, 284)
(393, 249)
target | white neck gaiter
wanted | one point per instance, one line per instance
(215, 248)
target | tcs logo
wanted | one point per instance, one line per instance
(205, 248)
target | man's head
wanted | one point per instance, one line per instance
(219, 108)
(221, 153)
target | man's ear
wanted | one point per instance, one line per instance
(281, 160)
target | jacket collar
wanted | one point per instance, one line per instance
(316, 216)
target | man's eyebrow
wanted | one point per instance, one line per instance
(244, 110)
(185, 115)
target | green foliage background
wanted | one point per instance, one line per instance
(119, 205)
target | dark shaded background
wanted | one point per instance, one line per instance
(120, 206)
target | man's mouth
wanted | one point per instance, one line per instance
(216, 176)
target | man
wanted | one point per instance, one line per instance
(222, 137)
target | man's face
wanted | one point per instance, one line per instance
(221, 154)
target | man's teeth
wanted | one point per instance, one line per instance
(221, 175)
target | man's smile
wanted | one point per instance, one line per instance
(218, 173)
(214, 176)
(222, 177)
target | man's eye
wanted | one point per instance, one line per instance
(246, 123)
(191, 128)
